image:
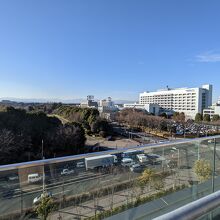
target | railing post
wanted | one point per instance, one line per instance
(194, 192)
(21, 201)
(198, 144)
(213, 170)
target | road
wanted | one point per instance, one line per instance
(86, 181)
(71, 185)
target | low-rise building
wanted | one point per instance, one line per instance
(150, 108)
(212, 110)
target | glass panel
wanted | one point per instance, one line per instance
(160, 177)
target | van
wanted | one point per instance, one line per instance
(142, 158)
(34, 177)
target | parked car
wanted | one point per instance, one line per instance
(67, 172)
(127, 162)
(13, 177)
(155, 159)
(137, 168)
(34, 178)
(38, 198)
(80, 164)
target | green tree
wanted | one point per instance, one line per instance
(68, 139)
(45, 207)
(22, 133)
(198, 117)
(12, 145)
(203, 170)
(215, 118)
(102, 127)
(206, 117)
(163, 115)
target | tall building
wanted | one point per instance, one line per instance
(188, 100)
(107, 106)
(89, 103)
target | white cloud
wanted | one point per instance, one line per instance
(208, 57)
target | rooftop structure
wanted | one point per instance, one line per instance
(89, 103)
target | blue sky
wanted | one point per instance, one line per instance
(71, 48)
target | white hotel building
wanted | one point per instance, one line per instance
(188, 100)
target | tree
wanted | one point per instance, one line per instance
(179, 117)
(22, 133)
(203, 170)
(45, 207)
(30, 108)
(68, 139)
(215, 118)
(163, 115)
(162, 125)
(12, 145)
(147, 176)
(206, 118)
(101, 127)
(198, 117)
(158, 182)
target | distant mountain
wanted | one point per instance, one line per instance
(11, 99)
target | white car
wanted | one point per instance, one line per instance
(127, 162)
(38, 198)
(67, 172)
(80, 164)
(13, 177)
(137, 168)
(34, 178)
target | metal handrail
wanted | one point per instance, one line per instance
(194, 210)
(82, 156)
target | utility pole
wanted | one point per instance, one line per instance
(42, 154)
(42, 149)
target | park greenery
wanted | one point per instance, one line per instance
(87, 117)
(21, 133)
